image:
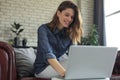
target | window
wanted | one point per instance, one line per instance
(112, 23)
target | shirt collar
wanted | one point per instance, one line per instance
(59, 32)
(55, 31)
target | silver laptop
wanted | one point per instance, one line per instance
(90, 62)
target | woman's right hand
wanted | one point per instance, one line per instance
(57, 66)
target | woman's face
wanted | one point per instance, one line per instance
(65, 17)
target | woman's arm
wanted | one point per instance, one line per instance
(44, 45)
(57, 66)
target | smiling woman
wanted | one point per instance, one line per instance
(55, 38)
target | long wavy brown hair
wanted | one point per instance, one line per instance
(74, 31)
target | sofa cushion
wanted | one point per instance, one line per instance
(25, 58)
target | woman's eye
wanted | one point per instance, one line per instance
(67, 15)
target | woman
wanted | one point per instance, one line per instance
(55, 38)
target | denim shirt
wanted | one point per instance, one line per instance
(51, 45)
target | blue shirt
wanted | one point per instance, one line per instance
(50, 45)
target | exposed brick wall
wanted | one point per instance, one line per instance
(87, 14)
(31, 14)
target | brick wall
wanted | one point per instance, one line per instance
(32, 13)
(87, 14)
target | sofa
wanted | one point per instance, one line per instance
(8, 65)
(8, 70)
(116, 69)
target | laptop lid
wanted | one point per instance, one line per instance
(90, 62)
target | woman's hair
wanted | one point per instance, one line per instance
(74, 31)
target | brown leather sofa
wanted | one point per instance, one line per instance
(116, 69)
(8, 64)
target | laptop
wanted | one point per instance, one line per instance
(90, 63)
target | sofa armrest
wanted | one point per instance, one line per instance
(7, 62)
